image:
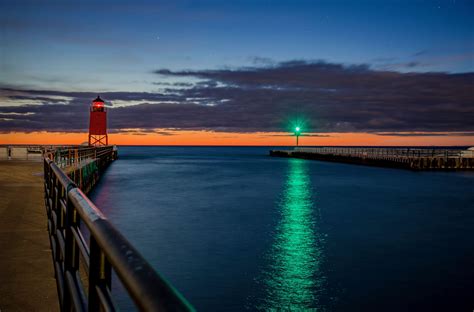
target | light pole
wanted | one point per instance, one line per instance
(297, 133)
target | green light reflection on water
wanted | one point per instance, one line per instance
(293, 279)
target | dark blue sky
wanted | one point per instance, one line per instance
(239, 66)
(116, 45)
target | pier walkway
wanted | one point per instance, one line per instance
(27, 280)
(407, 158)
(64, 258)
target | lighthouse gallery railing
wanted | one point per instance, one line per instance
(84, 271)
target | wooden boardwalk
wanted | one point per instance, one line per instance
(408, 158)
(27, 280)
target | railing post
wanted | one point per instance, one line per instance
(71, 253)
(55, 226)
(54, 200)
(47, 190)
(94, 275)
(100, 274)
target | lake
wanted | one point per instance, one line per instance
(234, 229)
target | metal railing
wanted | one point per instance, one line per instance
(74, 156)
(24, 152)
(375, 152)
(84, 269)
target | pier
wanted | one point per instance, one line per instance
(406, 158)
(63, 257)
(87, 248)
(25, 152)
(27, 280)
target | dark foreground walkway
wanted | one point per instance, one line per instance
(26, 270)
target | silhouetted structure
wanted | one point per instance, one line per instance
(403, 157)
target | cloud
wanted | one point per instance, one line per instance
(141, 131)
(420, 53)
(423, 61)
(331, 97)
(405, 66)
(258, 60)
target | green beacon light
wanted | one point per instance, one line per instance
(297, 134)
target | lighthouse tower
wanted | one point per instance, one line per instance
(98, 123)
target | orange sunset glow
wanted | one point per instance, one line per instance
(244, 139)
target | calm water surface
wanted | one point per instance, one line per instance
(234, 229)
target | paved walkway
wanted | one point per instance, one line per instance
(26, 269)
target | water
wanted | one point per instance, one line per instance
(234, 229)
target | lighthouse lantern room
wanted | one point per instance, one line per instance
(98, 123)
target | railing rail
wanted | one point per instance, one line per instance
(409, 158)
(376, 152)
(65, 157)
(69, 211)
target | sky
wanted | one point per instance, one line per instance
(239, 72)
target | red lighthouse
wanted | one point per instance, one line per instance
(98, 123)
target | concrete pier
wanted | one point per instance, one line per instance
(27, 280)
(407, 158)
(24, 152)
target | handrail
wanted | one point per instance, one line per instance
(68, 210)
(74, 156)
(377, 152)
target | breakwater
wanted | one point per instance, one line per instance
(87, 248)
(407, 158)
